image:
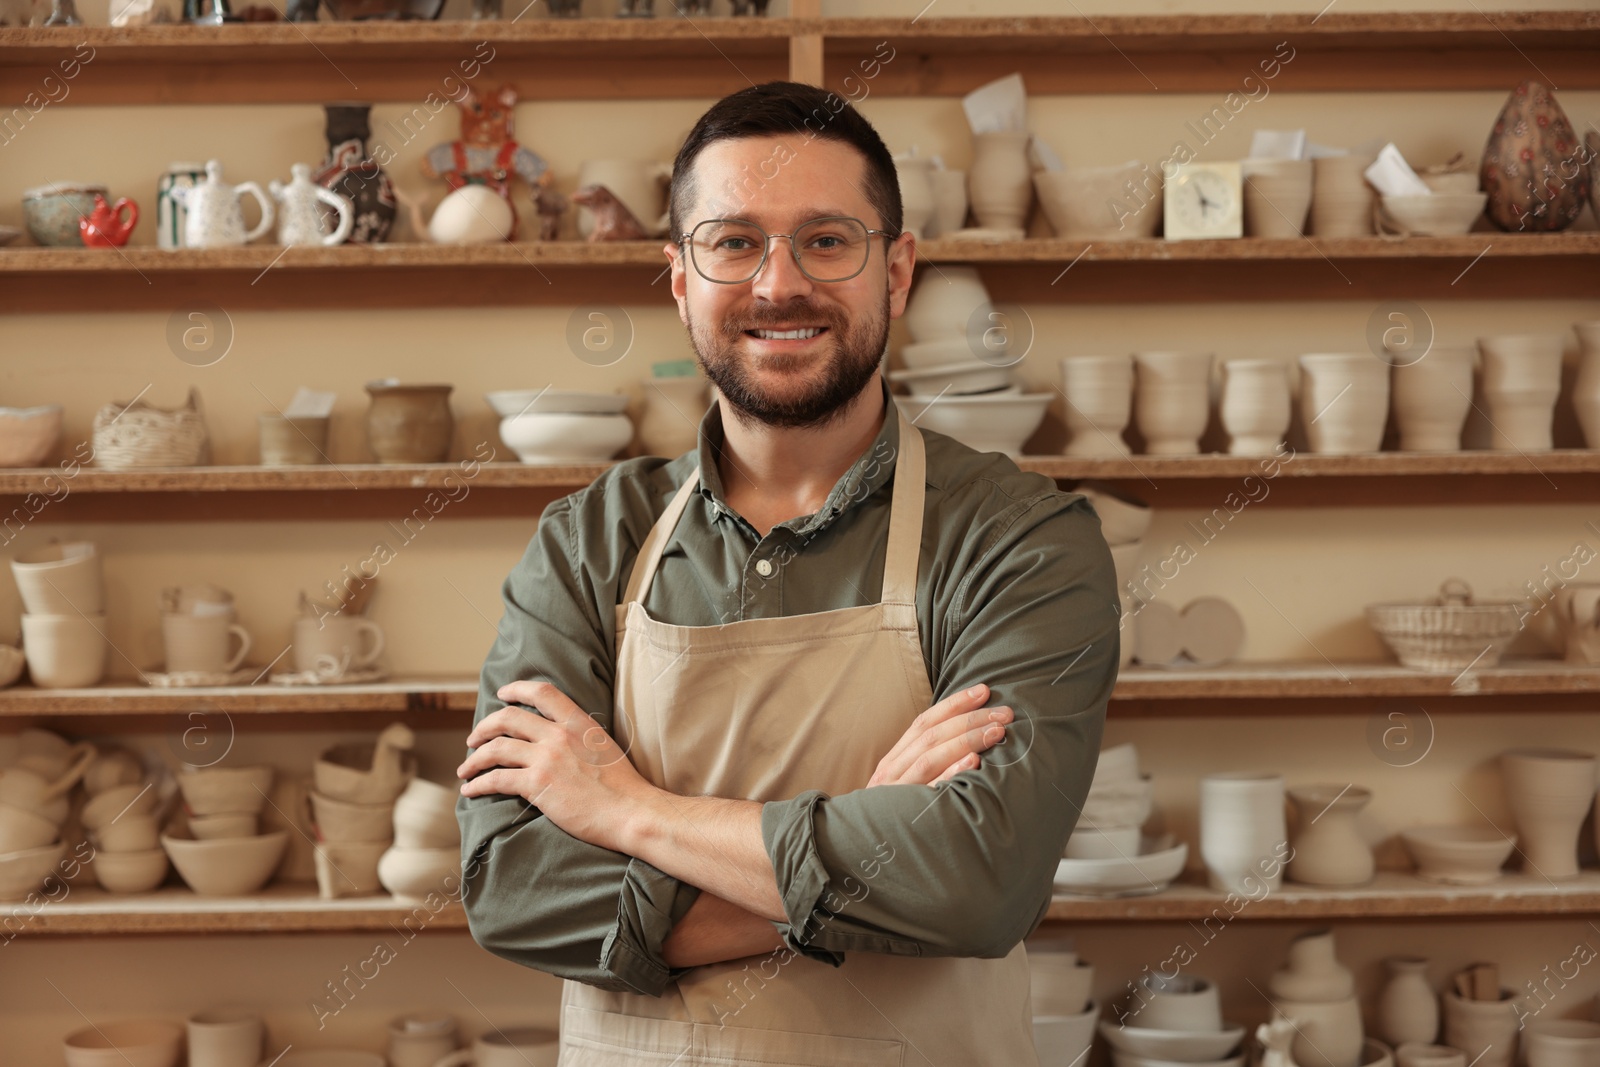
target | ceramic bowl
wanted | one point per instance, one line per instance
(25, 870)
(1440, 214)
(1118, 803)
(982, 423)
(130, 872)
(561, 438)
(51, 212)
(231, 824)
(21, 828)
(222, 790)
(1079, 201)
(62, 578)
(421, 826)
(1059, 983)
(12, 659)
(1062, 1039)
(1375, 1053)
(415, 873)
(510, 402)
(1116, 763)
(1459, 855)
(1187, 1003)
(1091, 841)
(344, 773)
(925, 355)
(1179, 1045)
(348, 868)
(1561, 1043)
(127, 1043)
(131, 833)
(28, 435)
(134, 799)
(1159, 862)
(340, 820)
(968, 376)
(229, 867)
(1123, 519)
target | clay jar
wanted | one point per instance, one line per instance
(1099, 402)
(1312, 971)
(1586, 387)
(1243, 831)
(1344, 401)
(1341, 199)
(1172, 401)
(1329, 849)
(943, 303)
(1255, 405)
(1550, 792)
(1431, 399)
(1000, 184)
(1408, 1009)
(409, 423)
(1521, 378)
(1486, 1030)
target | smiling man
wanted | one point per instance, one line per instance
(780, 740)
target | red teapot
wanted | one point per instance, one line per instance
(103, 227)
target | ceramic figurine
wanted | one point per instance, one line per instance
(550, 206)
(1276, 1038)
(300, 218)
(612, 219)
(1532, 165)
(488, 153)
(104, 227)
(215, 213)
(63, 13)
(351, 172)
(750, 7)
(636, 9)
(641, 186)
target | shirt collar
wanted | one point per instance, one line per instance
(864, 478)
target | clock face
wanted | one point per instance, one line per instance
(1202, 200)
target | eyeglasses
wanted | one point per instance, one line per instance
(732, 251)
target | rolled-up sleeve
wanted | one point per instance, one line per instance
(533, 893)
(965, 868)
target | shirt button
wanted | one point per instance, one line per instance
(764, 568)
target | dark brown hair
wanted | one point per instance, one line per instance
(779, 108)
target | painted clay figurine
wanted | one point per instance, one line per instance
(488, 153)
(612, 219)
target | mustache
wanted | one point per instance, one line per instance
(767, 319)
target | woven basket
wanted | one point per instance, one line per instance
(137, 434)
(1449, 634)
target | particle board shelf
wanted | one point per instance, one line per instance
(1390, 895)
(174, 909)
(410, 275)
(399, 695)
(598, 58)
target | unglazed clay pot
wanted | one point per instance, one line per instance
(409, 423)
(1172, 400)
(1313, 971)
(1344, 401)
(1532, 164)
(1329, 849)
(1121, 203)
(1550, 792)
(943, 303)
(1099, 402)
(1486, 1030)
(1243, 831)
(1341, 199)
(1431, 399)
(1277, 197)
(1000, 184)
(1255, 405)
(1521, 378)
(1327, 1033)
(1586, 388)
(1408, 1008)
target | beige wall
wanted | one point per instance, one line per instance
(439, 597)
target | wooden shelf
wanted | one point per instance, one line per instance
(600, 58)
(275, 909)
(1481, 265)
(1390, 895)
(391, 697)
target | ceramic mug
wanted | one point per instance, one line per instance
(60, 579)
(65, 651)
(419, 1040)
(333, 645)
(522, 1047)
(226, 1037)
(200, 643)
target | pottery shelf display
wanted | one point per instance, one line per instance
(353, 807)
(64, 641)
(40, 836)
(1108, 853)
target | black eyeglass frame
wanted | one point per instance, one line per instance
(766, 248)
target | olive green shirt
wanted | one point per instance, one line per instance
(1014, 589)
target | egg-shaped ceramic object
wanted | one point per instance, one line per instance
(472, 215)
(1533, 167)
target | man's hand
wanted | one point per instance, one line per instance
(557, 758)
(943, 741)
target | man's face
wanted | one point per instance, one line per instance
(779, 183)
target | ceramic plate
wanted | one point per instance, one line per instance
(550, 401)
(1182, 1046)
(1158, 863)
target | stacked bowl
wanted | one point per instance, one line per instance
(33, 807)
(1063, 1013)
(218, 848)
(123, 824)
(63, 621)
(425, 858)
(1108, 853)
(555, 426)
(353, 794)
(1169, 1021)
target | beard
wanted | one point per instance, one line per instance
(857, 351)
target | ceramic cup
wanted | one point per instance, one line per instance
(1172, 401)
(1521, 378)
(200, 643)
(1556, 1043)
(1243, 831)
(1486, 1030)
(1255, 405)
(521, 1047)
(65, 651)
(226, 1037)
(1099, 403)
(1000, 184)
(290, 442)
(336, 644)
(1277, 196)
(1431, 398)
(949, 201)
(1344, 401)
(1341, 199)
(60, 579)
(1550, 792)
(421, 1040)
(130, 833)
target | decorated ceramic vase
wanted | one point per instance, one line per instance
(1533, 168)
(351, 172)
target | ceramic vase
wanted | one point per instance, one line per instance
(1000, 184)
(1521, 378)
(1486, 1030)
(1344, 401)
(1243, 831)
(1327, 1033)
(949, 202)
(1408, 1008)
(409, 423)
(1550, 792)
(1277, 197)
(1255, 405)
(943, 303)
(673, 407)
(916, 193)
(1532, 165)
(1341, 199)
(350, 171)
(1586, 388)
(1329, 848)
(1312, 971)
(1099, 402)
(1172, 400)
(1432, 397)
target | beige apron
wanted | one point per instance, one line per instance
(765, 709)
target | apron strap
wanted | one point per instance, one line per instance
(644, 568)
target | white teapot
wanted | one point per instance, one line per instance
(300, 217)
(214, 216)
